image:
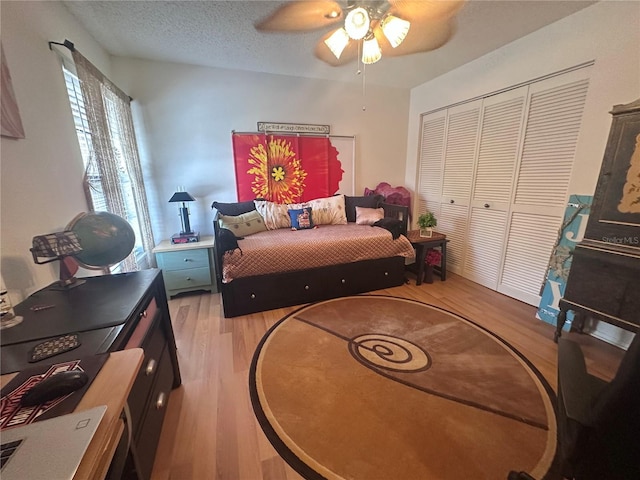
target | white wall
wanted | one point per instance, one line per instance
(607, 32)
(41, 175)
(185, 115)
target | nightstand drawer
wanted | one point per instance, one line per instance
(187, 278)
(184, 259)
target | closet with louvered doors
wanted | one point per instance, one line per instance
(552, 126)
(447, 156)
(495, 171)
(495, 166)
(460, 150)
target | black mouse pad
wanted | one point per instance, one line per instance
(12, 414)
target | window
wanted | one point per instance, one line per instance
(93, 180)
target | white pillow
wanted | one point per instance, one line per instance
(275, 215)
(329, 210)
(368, 216)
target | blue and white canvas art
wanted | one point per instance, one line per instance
(571, 232)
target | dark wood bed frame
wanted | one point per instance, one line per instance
(254, 294)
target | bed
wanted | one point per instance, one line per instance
(280, 267)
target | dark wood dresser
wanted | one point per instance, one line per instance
(109, 313)
(604, 278)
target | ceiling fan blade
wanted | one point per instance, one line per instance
(425, 10)
(302, 15)
(423, 37)
(322, 52)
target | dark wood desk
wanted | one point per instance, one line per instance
(109, 313)
(421, 245)
(111, 387)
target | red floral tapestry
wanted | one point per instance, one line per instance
(285, 168)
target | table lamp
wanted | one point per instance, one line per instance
(186, 235)
(59, 246)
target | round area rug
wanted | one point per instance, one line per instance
(376, 387)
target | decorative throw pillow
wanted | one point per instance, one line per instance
(368, 216)
(328, 210)
(301, 218)
(243, 225)
(237, 208)
(367, 201)
(275, 215)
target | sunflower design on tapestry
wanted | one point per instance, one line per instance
(277, 173)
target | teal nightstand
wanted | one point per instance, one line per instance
(187, 267)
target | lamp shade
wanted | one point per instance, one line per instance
(357, 23)
(395, 29)
(371, 52)
(182, 197)
(337, 42)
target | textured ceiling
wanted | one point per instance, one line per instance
(221, 34)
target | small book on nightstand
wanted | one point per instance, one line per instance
(185, 238)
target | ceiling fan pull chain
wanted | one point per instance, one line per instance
(362, 70)
(364, 88)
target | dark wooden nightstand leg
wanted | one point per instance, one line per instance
(421, 253)
(443, 261)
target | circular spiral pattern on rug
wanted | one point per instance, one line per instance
(377, 387)
(388, 352)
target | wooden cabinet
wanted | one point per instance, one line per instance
(187, 267)
(109, 313)
(603, 280)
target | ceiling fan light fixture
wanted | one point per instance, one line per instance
(357, 23)
(337, 42)
(395, 29)
(371, 52)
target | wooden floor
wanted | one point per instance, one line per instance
(210, 431)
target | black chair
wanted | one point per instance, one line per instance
(598, 421)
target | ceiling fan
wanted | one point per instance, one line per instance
(368, 29)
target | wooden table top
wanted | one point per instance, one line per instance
(111, 387)
(414, 237)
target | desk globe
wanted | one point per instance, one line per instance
(106, 239)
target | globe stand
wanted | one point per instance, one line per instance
(68, 268)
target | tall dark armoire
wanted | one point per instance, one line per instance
(604, 280)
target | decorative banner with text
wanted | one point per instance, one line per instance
(571, 232)
(285, 168)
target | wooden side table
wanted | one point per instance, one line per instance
(187, 267)
(421, 245)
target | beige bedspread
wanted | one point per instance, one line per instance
(285, 250)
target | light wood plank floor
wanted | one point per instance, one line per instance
(210, 431)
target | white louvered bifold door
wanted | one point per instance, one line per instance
(430, 163)
(461, 145)
(500, 133)
(460, 152)
(553, 120)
